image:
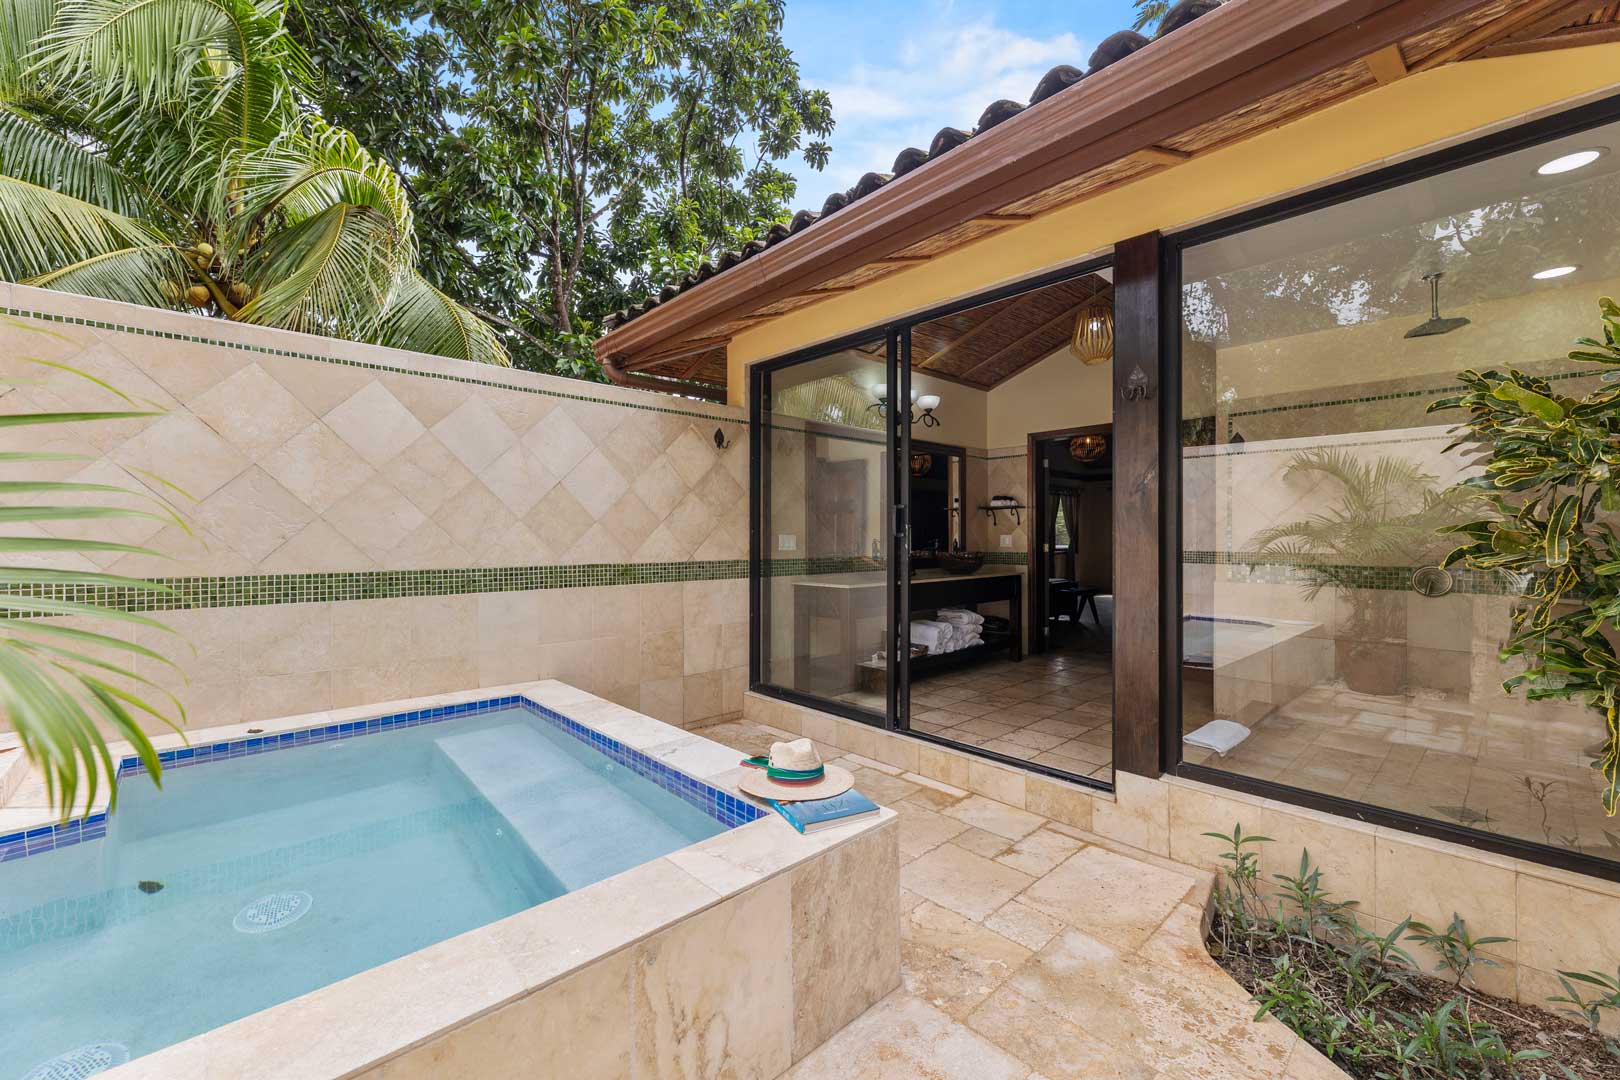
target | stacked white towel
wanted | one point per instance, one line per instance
(946, 635)
(960, 617)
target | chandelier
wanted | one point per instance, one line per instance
(926, 402)
(1094, 331)
(1088, 448)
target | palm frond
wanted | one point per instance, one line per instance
(422, 319)
(57, 241)
(58, 687)
(34, 153)
(22, 24)
(303, 174)
(230, 60)
(329, 274)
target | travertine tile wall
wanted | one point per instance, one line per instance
(352, 458)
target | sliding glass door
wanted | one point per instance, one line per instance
(826, 519)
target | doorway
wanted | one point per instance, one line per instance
(1071, 552)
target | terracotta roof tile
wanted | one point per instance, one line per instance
(1113, 49)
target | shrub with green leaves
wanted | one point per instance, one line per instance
(1552, 474)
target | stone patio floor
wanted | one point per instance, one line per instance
(1034, 951)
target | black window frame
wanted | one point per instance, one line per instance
(898, 332)
(1469, 152)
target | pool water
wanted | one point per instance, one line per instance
(247, 882)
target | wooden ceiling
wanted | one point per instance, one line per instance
(704, 320)
(987, 345)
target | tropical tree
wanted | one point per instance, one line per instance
(569, 157)
(1552, 485)
(66, 678)
(163, 152)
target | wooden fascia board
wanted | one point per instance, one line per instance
(1237, 54)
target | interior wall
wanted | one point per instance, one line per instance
(1059, 392)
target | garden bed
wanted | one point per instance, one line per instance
(1369, 1001)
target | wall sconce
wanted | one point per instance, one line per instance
(926, 402)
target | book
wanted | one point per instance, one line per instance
(818, 814)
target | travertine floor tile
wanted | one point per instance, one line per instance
(992, 816)
(1023, 924)
(968, 884)
(951, 962)
(1041, 1038)
(1115, 898)
(902, 1038)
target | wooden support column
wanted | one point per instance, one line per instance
(1137, 565)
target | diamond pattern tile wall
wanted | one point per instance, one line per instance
(318, 459)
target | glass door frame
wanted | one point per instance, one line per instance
(896, 526)
(897, 497)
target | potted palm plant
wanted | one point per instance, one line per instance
(1386, 515)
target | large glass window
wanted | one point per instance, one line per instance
(824, 532)
(1316, 654)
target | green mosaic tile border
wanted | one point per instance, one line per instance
(1259, 569)
(1403, 395)
(197, 339)
(255, 590)
(1006, 558)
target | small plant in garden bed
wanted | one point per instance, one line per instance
(1361, 998)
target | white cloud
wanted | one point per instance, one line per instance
(942, 75)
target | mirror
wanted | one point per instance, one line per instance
(938, 499)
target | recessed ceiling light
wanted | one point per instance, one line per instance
(1570, 162)
(1553, 271)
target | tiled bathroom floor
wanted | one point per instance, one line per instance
(1034, 951)
(1522, 774)
(1055, 709)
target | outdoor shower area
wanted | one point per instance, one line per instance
(1313, 339)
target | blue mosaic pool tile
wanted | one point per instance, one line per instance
(722, 806)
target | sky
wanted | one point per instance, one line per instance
(897, 72)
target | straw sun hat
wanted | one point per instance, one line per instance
(794, 773)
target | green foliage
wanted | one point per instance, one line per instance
(1388, 512)
(567, 159)
(1333, 981)
(1149, 12)
(62, 683)
(1550, 479)
(1591, 1009)
(159, 152)
(1457, 948)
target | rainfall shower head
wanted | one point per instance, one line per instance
(1436, 325)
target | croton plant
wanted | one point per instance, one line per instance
(1552, 482)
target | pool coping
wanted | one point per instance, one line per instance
(362, 1021)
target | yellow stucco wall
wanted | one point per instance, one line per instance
(1388, 122)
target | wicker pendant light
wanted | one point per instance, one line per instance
(1094, 331)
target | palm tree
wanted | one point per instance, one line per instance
(1388, 514)
(163, 152)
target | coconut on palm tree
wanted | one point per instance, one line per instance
(163, 152)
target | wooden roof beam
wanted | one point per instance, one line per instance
(690, 348)
(1021, 341)
(1387, 65)
(1159, 155)
(1531, 13)
(1572, 38)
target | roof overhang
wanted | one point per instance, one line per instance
(1242, 53)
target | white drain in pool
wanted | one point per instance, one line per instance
(81, 1062)
(273, 912)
